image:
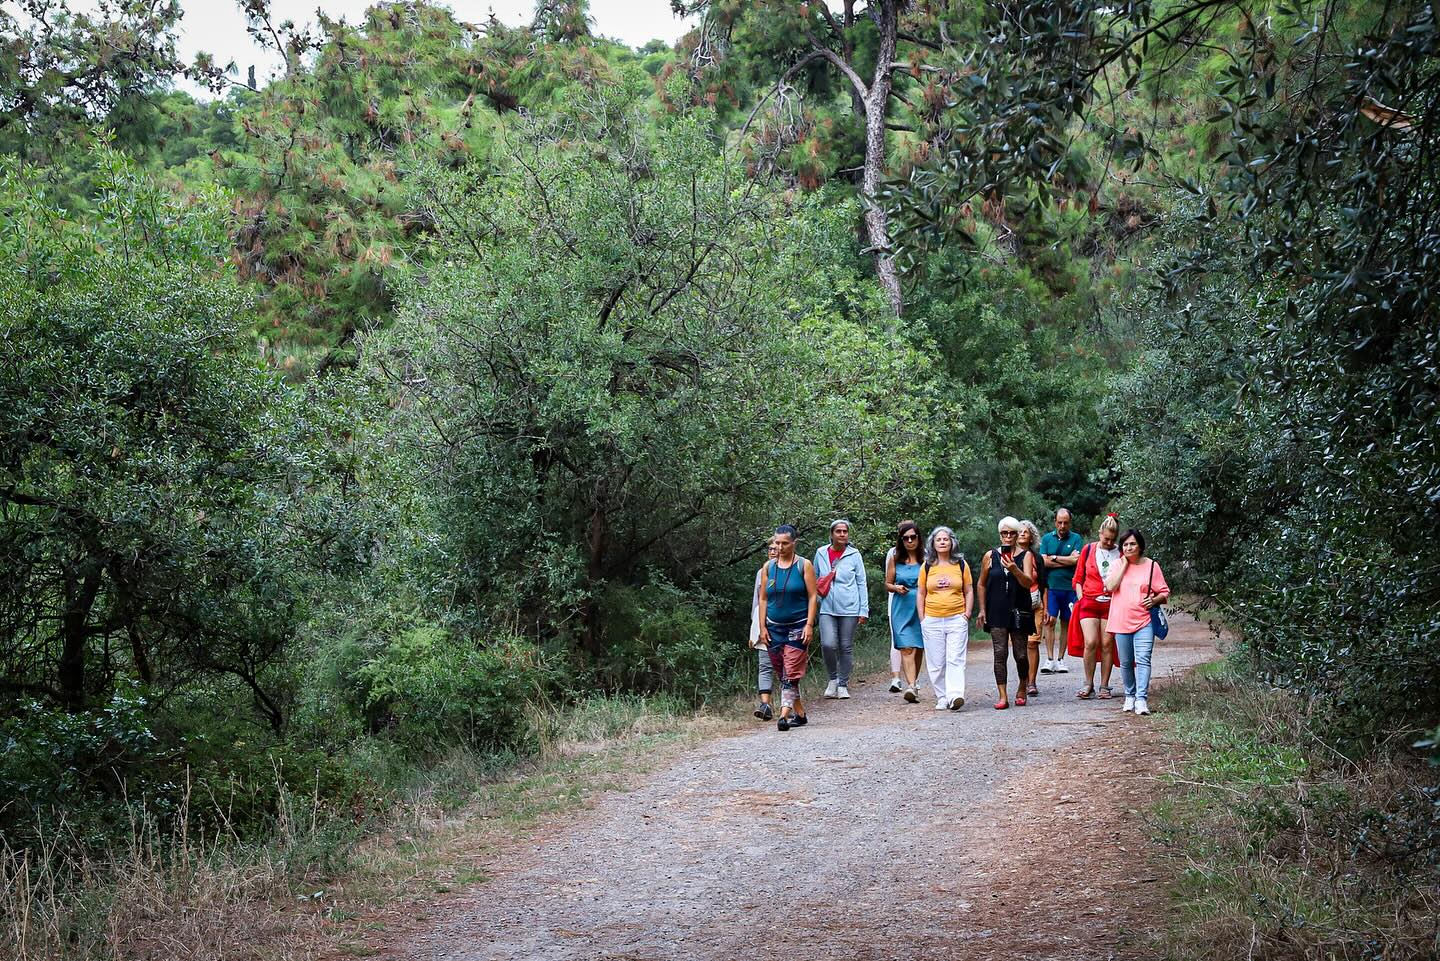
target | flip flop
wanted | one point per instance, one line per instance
(1105, 694)
(1085, 693)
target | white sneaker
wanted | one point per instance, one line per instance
(1060, 667)
(911, 695)
(842, 692)
(1047, 666)
(1129, 704)
(940, 705)
(895, 686)
(1141, 707)
(832, 688)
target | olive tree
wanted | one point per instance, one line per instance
(152, 523)
(1287, 381)
(630, 358)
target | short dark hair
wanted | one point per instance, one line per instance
(787, 529)
(1139, 539)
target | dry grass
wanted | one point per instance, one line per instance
(1288, 849)
(316, 883)
(154, 896)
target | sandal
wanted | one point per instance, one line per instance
(1105, 694)
(1001, 705)
(1085, 693)
(1019, 700)
(1032, 691)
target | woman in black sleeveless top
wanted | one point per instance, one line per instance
(1006, 577)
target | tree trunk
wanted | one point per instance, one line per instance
(597, 537)
(877, 105)
(81, 591)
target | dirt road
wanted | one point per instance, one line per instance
(881, 830)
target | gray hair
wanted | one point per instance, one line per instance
(933, 558)
(837, 522)
(1008, 523)
(1034, 533)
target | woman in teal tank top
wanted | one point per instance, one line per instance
(788, 606)
(787, 598)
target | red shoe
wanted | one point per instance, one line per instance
(1019, 700)
(1001, 705)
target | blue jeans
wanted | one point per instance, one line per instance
(1135, 650)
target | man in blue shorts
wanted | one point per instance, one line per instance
(1060, 549)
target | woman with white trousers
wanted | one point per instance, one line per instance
(945, 596)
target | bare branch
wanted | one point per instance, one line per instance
(804, 61)
(914, 39)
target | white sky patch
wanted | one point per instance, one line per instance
(218, 28)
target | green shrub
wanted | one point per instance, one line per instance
(434, 689)
(661, 638)
(85, 764)
(1286, 848)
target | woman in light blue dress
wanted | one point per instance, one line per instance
(902, 575)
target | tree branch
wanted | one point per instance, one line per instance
(839, 63)
(610, 303)
(914, 39)
(804, 61)
(830, 19)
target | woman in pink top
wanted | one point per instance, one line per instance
(1135, 585)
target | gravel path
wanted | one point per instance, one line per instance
(880, 830)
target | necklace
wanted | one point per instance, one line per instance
(781, 587)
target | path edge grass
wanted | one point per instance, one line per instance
(322, 887)
(1282, 846)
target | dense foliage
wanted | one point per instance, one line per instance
(462, 368)
(576, 361)
(602, 363)
(152, 474)
(1278, 428)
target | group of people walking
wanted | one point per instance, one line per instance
(1096, 601)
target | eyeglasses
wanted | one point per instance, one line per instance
(1009, 533)
(910, 537)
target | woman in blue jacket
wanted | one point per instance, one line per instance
(844, 607)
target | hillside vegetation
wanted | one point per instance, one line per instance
(359, 421)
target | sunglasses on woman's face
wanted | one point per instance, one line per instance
(911, 537)
(1008, 533)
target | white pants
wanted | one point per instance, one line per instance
(946, 639)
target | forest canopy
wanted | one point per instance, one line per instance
(463, 366)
